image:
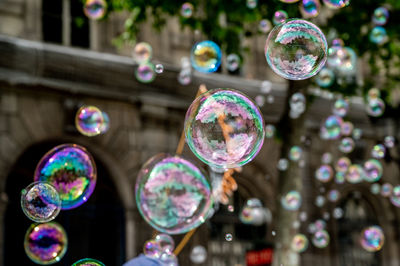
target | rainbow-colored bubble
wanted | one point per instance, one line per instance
(291, 201)
(347, 128)
(172, 194)
(378, 35)
(395, 197)
(386, 190)
(45, 243)
(264, 26)
(333, 195)
(310, 8)
(340, 107)
(378, 151)
(335, 4)
(295, 153)
(166, 242)
(152, 249)
(40, 202)
(88, 262)
(324, 173)
(325, 78)
(232, 62)
(280, 16)
(375, 107)
(71, 170)
(373, 170)
(321, 239)
(342, 164)
(206, 56)
(372, 238)
(332, 127)
(355, 174)
(187, 10)
(95, 9)
(224, 128)
(296, 49)
(142, 53)
(380, 16)
(299, 243)
(91, 121)
(145, 72)
(346, 145)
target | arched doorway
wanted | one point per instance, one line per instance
(96, 229)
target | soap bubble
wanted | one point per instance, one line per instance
(326, 158)
(347, 59)
(95, 9)
(337, 213)
(152, 249)
(142, 52)
(357, 133)
(346, 145)
(187, 10)
(333, 195)
(325, 78)
(291, 201)
(378, 35)
(91, 121)
(198, 254)
(380, 16)
(228, 237)
(270, 99)
(253, 212)
(342, 164)
(347, 128)
(71, 170)
(310, 8)
(375, 188)
(283, 164)
(340, 178)
(159, 68)
(320, 201)
(386, 190)
(324, 173)
(206, 56)
(355, 174)
(303, 216)
(269, 131)
(224, 128)
(169, 259)
(375, 107)
(337, 42)
(232, 62)
(266, 87)
(295, 153)
(333, 126)
(378, 151)
(299, 243)
(172, 194)
(373, 94)
(166, 242)
(185, 77)
(264, 26)
(321, 239)
(336, 3)
(279, 17)
(320, 224)
(395, 197)
(373, 170)
(45, 243)
(296, 49)
(340, 107)
(260, 100)
(372, 238)
(251, 4)
(40, 202)
(88, 262)
(297, 103)
(389, 141)
(145, 72)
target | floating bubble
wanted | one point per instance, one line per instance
(231, 208)
(187, 10)
(326, 158)
(297, 103)
(373, 170)
(375, 107)
(198, 254)
(260, 100)
(337, 42)
(165, 242)
(340, 177)
(269, 131)
(321, 239)
(95, 9)
(389, 141)
(251, 4)
(333, 195)
(303, 216)
(355, 174)
(357, 133)
(224, 128)
(312, 228)
(159, 68)
(88, 262)
(71, 170)
(310, 8)
(40, 202)
(378, 151)
(296, 49)
(320, 224)
(347, 128)
(375, 188)
(338, 213)
(346, 145)
(185, 77)
(395, 197)
(169, 259)
(228, 237)
(378, 35)
(335, 4)
(152, 249)
(326, 216)
(279, 17)
(253, 212)
(264, 26)
(340, 107)
(206, 56)
(333, 126)
(91, 121)
(142, 52)
(145, 72)
(372, 238)
(380, 16)
(320, 201)
(299, 243)
(342, 164)
(386, 190)
(172, 194)
(347, 59)
(45, 243)
(295, 153)
(291, 201)
(325, 78)
(283, 164)
(373, 94)
(232, 62)
(270, 99)
(266, 87)
(324, 173)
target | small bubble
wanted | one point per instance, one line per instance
(159, 68)
(228, 237)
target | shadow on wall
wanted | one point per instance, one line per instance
(95, 229)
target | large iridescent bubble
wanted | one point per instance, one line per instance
(88, 262)
(299, 243)
(45, 243)
(296, 49)
(224, 128)
(172, 194)
(95, 9)
(71, 170)
(320, 239)
(40, 202)
(372, 238)
(373, 170)
(291, 201)
(335, 4)
(91, 121)
(206, 56)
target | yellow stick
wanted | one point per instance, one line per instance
(184, 241)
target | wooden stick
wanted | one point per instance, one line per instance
(184, 241)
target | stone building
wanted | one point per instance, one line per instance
(49, 68)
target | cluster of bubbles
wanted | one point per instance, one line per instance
(296, 49)
(88, 262)
(91, 121)
(206, 56)
(297, 104)
(372, 238)
(145, 71)
(161, 248)
(378, 33)
(291, 201)
(254, 213)
(95, 9)
(224, 128)
(172, 194)
(375, 105)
